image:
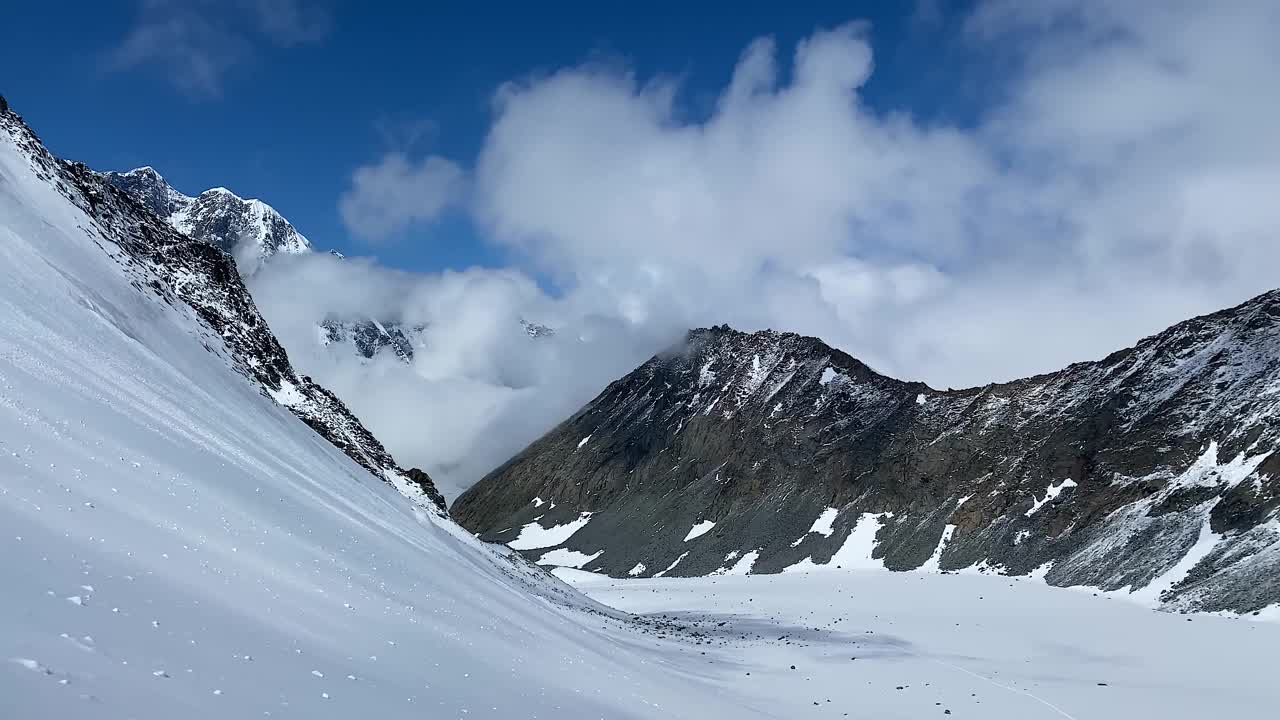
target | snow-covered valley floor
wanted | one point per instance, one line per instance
(914, 645)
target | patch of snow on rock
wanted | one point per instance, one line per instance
(855, 553)
(699, 530)
(534, 536)
(1052, 492)
(742, 567)
(673, 564)
(562, 557)
(932, 564)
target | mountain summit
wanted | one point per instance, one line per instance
(1153, 470)
(249, 230)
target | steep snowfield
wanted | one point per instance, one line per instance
(175, 544)
(916, 645)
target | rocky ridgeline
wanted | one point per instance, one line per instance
(180, 268)
(249, 230)
(1153, 470)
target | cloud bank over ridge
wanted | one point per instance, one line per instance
(1125, 180)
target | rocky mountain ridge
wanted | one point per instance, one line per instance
(249, 230)
(253, 233)
(1152, 472)
(180, 268)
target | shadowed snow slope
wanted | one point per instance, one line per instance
(176, 544)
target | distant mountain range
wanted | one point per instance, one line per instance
(1154, 471)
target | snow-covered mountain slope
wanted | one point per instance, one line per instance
(178, 268)
(177, 544)
(1154, 471)
(250, 230)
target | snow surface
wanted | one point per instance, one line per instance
(584, 441)
(534, 536)
(822, 525)
(699, 530)
(222, 553)
(913, 645)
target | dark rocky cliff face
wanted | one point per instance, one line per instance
(1152, 469)
(180, 269)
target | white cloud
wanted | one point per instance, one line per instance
(480, 388)
(1125, 181)
(396, 192)
(586, 167)
(1132, 159)
(197, 41)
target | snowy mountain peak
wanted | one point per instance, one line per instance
(152, 190)
(222, 191)
(250, 230)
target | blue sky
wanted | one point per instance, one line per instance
(959, 193)
(291, 117)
